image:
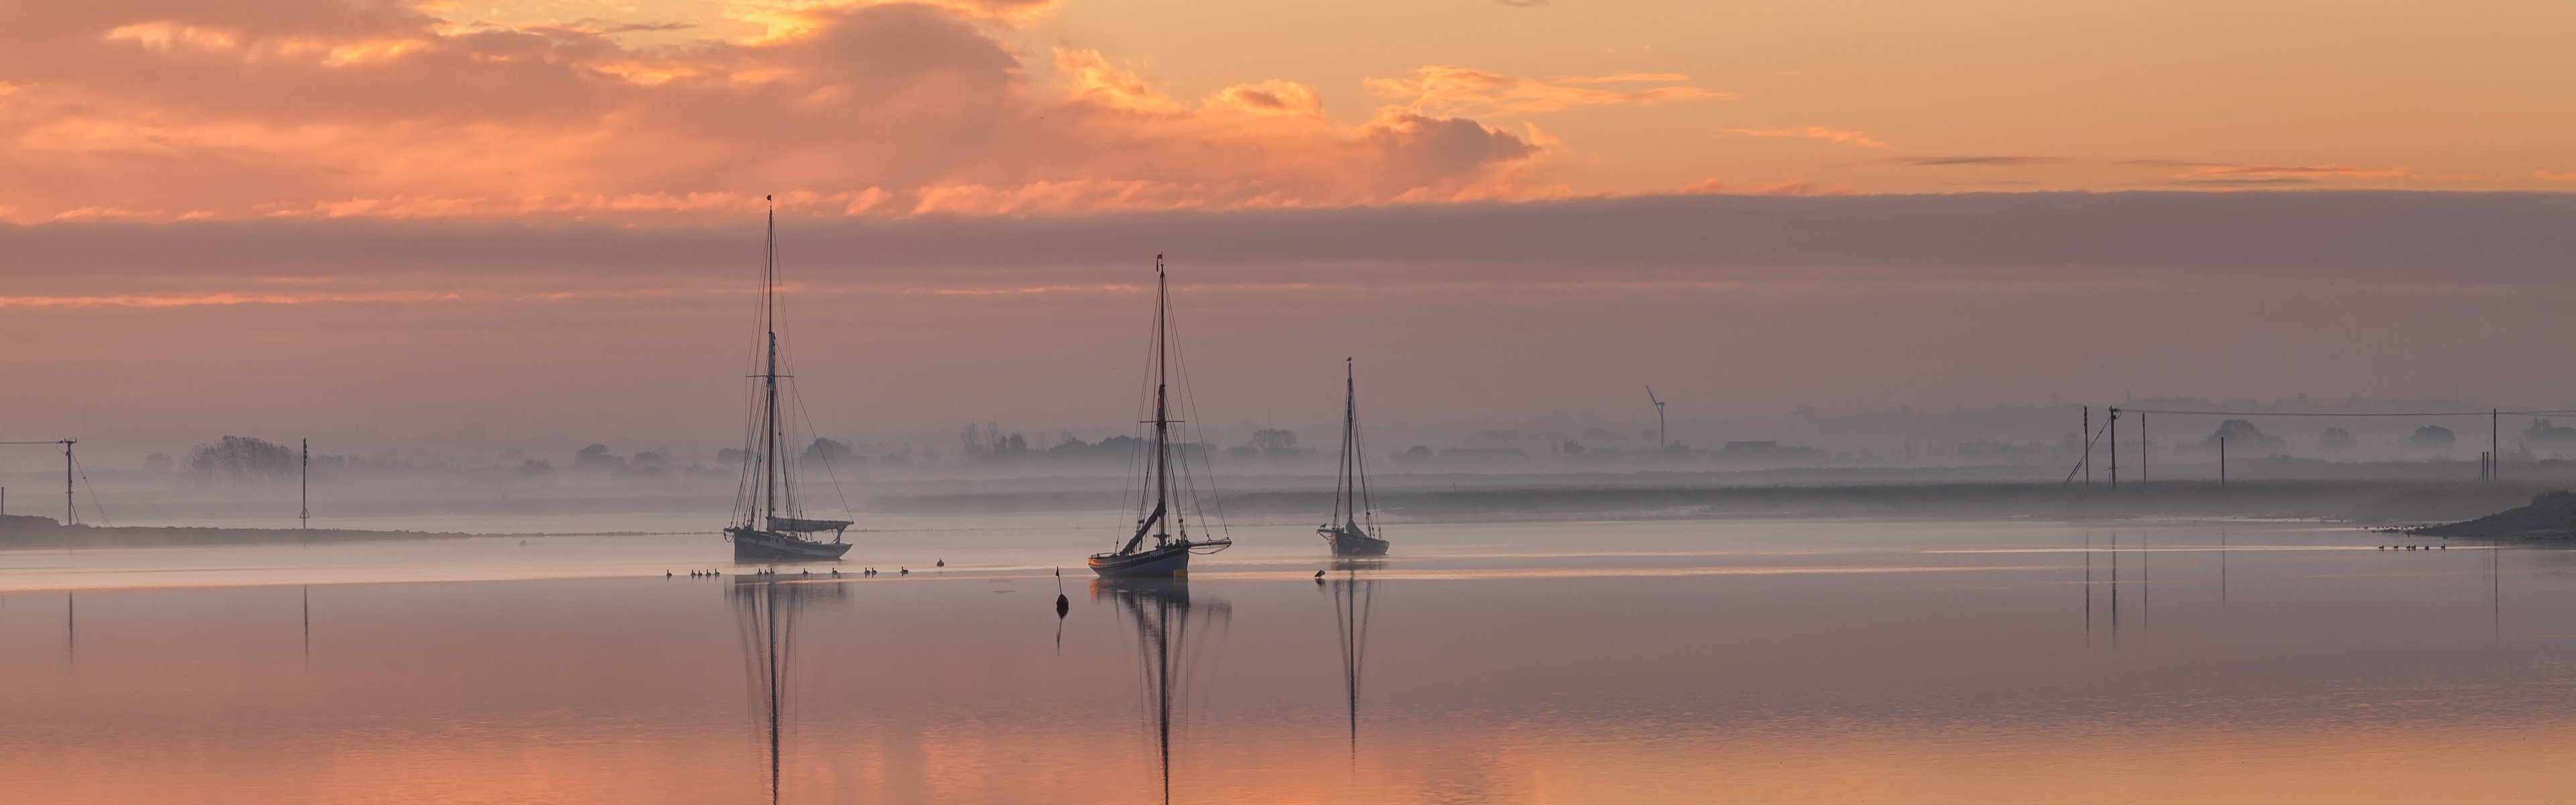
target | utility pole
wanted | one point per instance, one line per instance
(2086, 436)
(2495, 444)
(2115, 448)
(2222, 462)
(70, 514)
(2142, 448)
(304, 487)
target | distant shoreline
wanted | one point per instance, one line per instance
(24, 532)
(2360, 503)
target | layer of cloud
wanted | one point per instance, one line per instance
(164, 110)
(2196, 171)
(1995, 160)
(2134, 237)
(1451, 89)
(1843, 136)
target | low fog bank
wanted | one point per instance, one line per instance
(1557, 465)
(2319, 437)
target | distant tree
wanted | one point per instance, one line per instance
(2242, 434)
(826, 450)
(536, 468)
(2335, 438)
(1274, 441)
(157, 462)
(243, 458)
(2433, 436)
(2543, 434)
(1416, 453)
(597, 457)
(731, 456)
(1573, 448)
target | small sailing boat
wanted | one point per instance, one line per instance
(1353, 530)
(768, 526)
(1161, 509)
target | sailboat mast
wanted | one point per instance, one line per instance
(770, 469)
(1347, 502)
(1162, 411)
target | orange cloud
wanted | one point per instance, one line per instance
(169, 110)
(1861, 139)
(1450, 89)
(225, 299)
(2209, 171)
(2569, 176)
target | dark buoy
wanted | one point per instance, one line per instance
(903, 571)
(943, 563)
(1319, 577)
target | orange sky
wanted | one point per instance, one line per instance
(1508, 208)
(163, 109)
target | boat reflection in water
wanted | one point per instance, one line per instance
(765, 610)
(1352, 597)
(1164, 616)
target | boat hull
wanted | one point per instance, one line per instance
(1348, 542)
(1167, 562)
(751, 545)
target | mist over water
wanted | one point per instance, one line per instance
(1637, 662)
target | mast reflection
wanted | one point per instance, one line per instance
(765, 614)
(1352, 599)
(1163, 614)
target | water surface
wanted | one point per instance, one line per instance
(1557, 662)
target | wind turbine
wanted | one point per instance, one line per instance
(1659, 418)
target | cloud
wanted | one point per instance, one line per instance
(2209, 172)
(170, 110)
(1521, 3)
(2303, 235)
(2569, 176)
(1845, 137)
(2248, 181)
(1451, 89)
(2000, 161)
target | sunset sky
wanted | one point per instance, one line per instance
(264, 214)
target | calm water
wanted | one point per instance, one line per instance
(1561, 662)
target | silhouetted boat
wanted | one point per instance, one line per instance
(1161, 509)
(1353, 530)
(768, 526)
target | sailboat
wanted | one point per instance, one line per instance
(1160, 509)
(768, 526)
(1346, 532)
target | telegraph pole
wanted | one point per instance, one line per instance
(2115, 447)
(69, 513)
(304, 487)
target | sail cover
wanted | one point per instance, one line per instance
(801, 525)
